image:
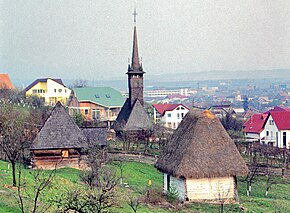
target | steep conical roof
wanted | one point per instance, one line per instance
(59, 131)
(201, 148)
(132, 118)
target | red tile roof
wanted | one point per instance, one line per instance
(5, 82)
(161, 108)
(281, 119)
(255, 123)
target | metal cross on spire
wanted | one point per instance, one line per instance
(135, 15)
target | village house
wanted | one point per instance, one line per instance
(201, 162)
(169, 114)
(277, 129)
(96, 103)
(50, 90)
(5, 82)
(253, 127)
(271, 127)
(61, 143)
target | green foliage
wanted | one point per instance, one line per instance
(136, 175)
(172, 194)
(78, 118)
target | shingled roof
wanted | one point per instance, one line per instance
(132, 118)
(96, 135)
(201, 148)
(59, 131)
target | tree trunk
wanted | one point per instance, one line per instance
(13, 164)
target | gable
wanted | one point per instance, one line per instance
(281, 119)
(59, 131)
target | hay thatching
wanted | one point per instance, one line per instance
(201, 148)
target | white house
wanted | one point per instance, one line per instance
(254, 127)
(50, 90)
(169, 114)
(277, 129)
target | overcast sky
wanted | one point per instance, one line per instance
(92, 39)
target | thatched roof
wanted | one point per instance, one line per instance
(59, 131)
(132, 118)
(201, 148)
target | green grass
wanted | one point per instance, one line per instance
(136, 175)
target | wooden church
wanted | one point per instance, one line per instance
(201, 161)
(133, 116)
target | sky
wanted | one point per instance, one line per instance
(92, 39)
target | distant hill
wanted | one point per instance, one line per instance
(120, 82)
(223, 75)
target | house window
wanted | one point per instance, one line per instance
(284, 139)
(169, 124)
(169, 115)
(34, 91)
(182, 108)
(267, 133)
(96, 114)
(54, 90)
(60, 90)
(86, 111)
(178, 116)
(182, 115)
(64, 153)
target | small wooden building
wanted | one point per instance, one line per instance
(60, 142)
(201, 162)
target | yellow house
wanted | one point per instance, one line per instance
(49, 90)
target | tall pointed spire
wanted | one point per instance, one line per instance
(135, 55)
(135, 63)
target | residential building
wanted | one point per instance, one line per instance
(254, 127)
(169, 114)
(271, 127)
(5, 82)
(50, 90)
(277, 129)
(96, 103)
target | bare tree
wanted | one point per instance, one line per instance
(17, 128)
(80, 83)
(96, 199)
(134, 202)
(41, 181)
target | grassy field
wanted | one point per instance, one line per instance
(136, 176)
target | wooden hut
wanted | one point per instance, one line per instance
(201, 161)
(60, 142)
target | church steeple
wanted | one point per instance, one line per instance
(135, 71)
(135, 62)
(135, 55)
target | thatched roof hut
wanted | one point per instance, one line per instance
(200, 149)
